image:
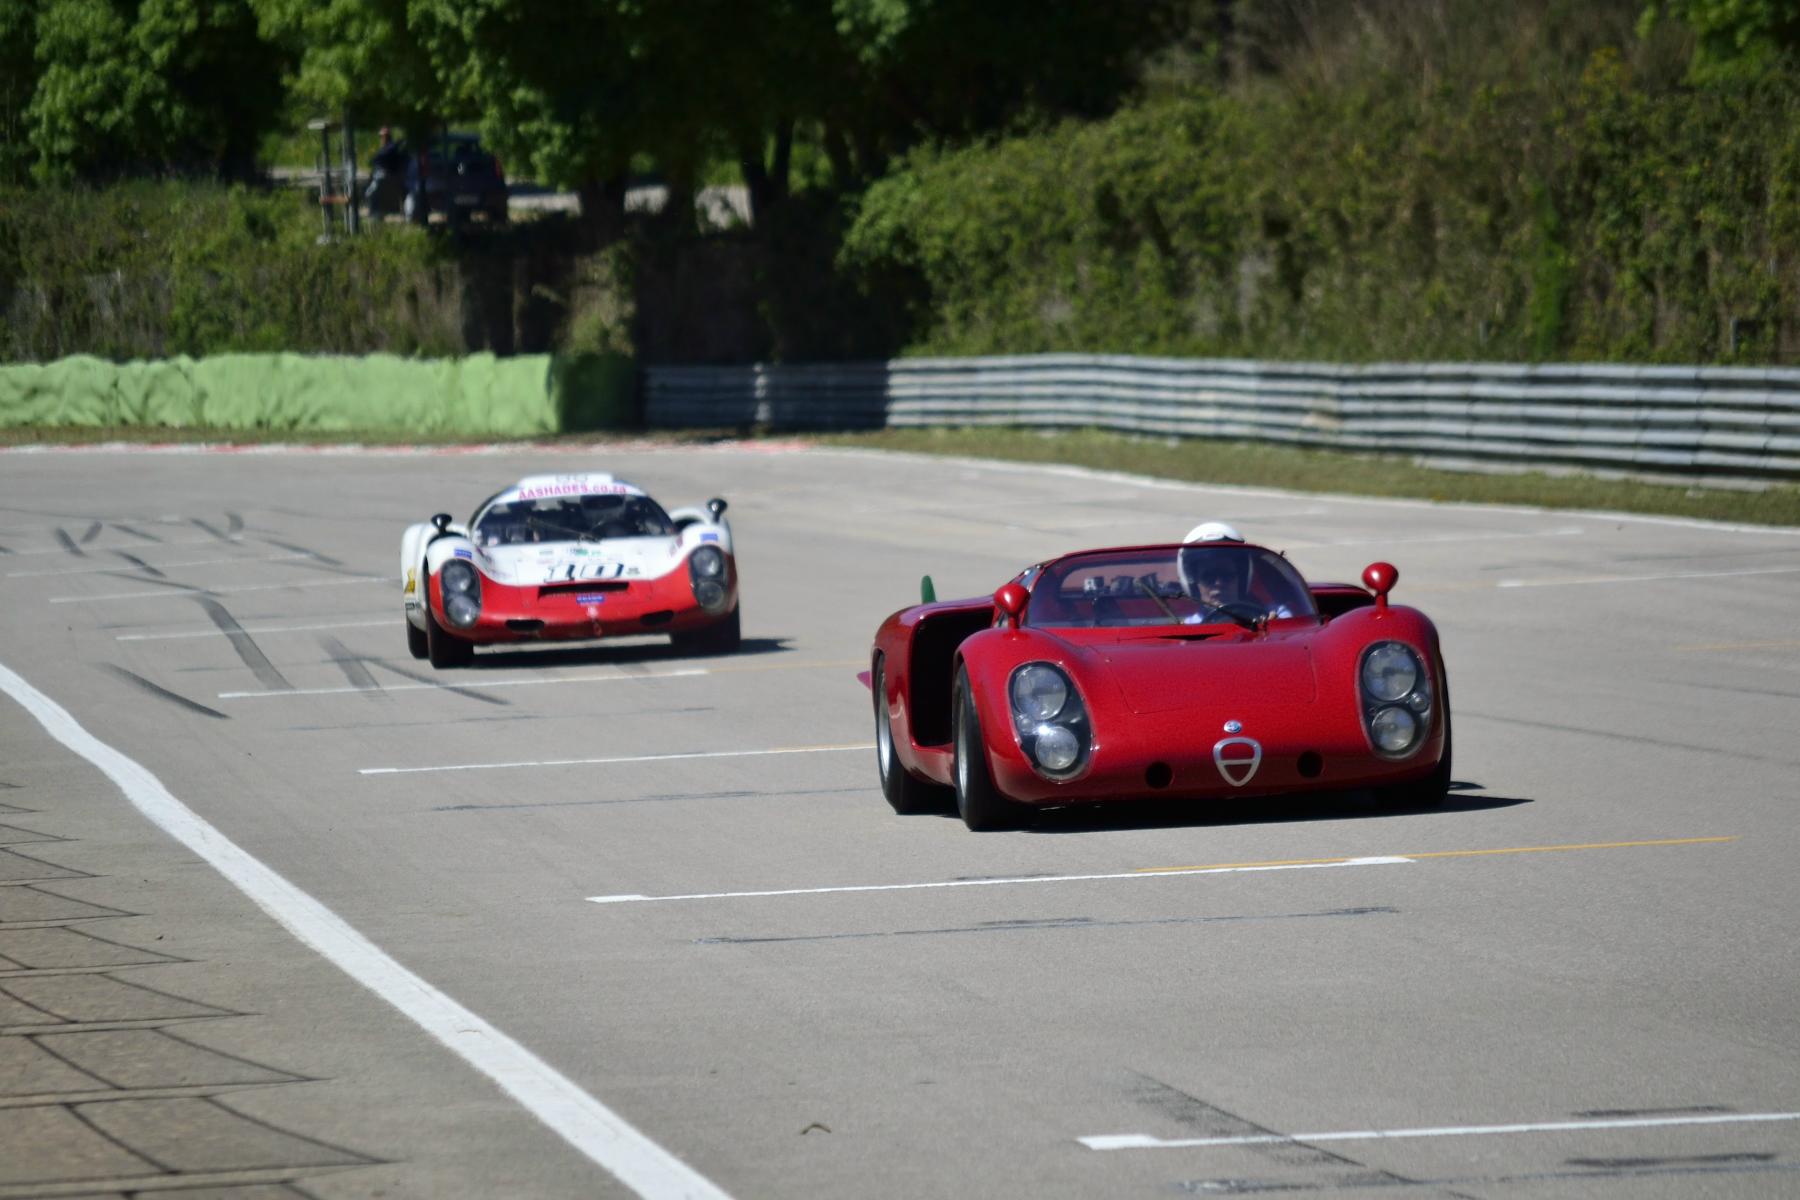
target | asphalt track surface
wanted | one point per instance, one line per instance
(1578, 978)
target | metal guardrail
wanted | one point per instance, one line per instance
(1716, 422)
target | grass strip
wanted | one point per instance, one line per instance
(84, 435)
(1255, 464)
(1250, 464)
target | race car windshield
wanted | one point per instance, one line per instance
(571, 519)
(1169, 585)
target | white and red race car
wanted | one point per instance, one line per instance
(558, 557)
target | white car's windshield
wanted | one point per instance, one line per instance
(569, 519)
(1169, 585)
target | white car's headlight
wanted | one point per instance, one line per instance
(462, 593)
(707, 563)
(458, 577)
(706, 574)
(1389, 671)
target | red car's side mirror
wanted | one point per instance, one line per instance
(1381, 578)
(1010, 599)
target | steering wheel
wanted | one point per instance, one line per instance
(1240, 612)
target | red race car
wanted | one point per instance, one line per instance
(1198, 671)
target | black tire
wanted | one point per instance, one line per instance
(978, 802)
(416, 642)
(907, 795)
(1431, 791)
(445, 649)
(723, 638)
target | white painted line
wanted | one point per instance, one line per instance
(469, 686)
(1456, 538)
(126, 566)
(578, 1118)
(228, 589)
(199, 633)
(1144, 1141)
(1525, 583)
(955, 883)
(1153, 483)
(631, 758)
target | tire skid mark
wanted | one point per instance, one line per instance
(159, 578)
(68, 543)
(415, 677)
(1601, 1114)
(156, 689)
(140, 564)
(297, 549)
(1257, 1187)
(313, 563)
(93, 531)
(245, 645)
(212, 529)
(234, 524)
(135, 532)
(351, 664)
(1038, 925)
(1636, 739)
(660, 797)
(1209, 1120)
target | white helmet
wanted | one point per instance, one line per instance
(1213, 531)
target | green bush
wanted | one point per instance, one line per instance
(1540, 202)
(152, 269)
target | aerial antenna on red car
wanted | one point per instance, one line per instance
(927, 592)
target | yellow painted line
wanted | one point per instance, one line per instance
(1307, 862)
(1698, 841)
(1784, 645)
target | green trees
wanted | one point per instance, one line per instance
(125, 88)
(1733, 37)
(1537, 189)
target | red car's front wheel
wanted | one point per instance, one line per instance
(906, 794)
(978, 801)
(1430, 791)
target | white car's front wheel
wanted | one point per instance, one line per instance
(443, 648)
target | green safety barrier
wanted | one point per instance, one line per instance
(479, 395)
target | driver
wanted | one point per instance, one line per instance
(1216, 572)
